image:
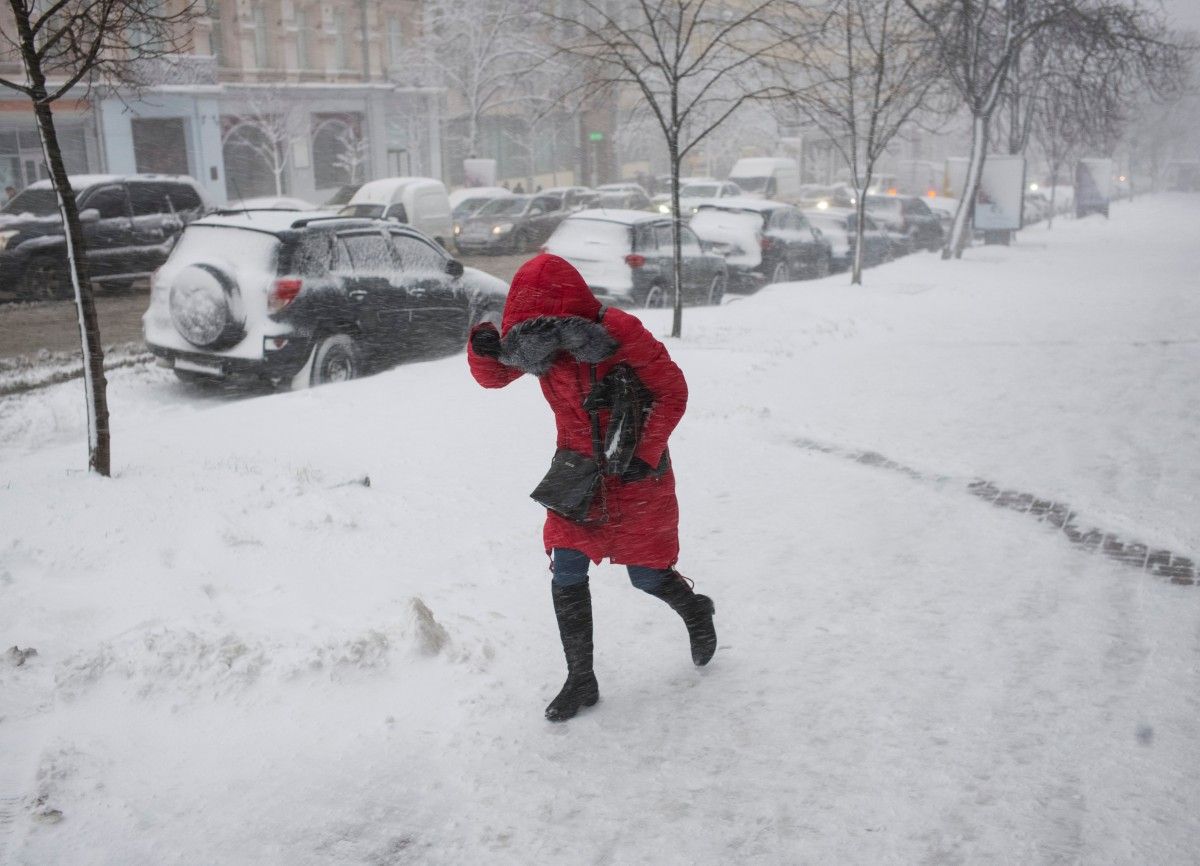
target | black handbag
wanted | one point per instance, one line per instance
(571, 485)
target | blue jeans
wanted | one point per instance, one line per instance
(571, 569)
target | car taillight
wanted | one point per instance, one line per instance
(766, 243)
(635, 261)
(283, 293)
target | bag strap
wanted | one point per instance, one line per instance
(597, 444)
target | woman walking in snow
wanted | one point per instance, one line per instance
(554, 328)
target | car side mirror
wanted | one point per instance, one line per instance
(89, 215)
(454, 268)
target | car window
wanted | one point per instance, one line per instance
(662, 236)
(644, 240)
(918, 207)
(314, 255)
(398, 213)
(535, 209)
(370, 254)
(183, 196)
(110, 201)
(547, 203)
(688, 242)
(798, 221)
(416, 256)
(148, 198)
(731, 190)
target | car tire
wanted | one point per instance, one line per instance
(716, 290)
(782, 273)
(45, 278)
(336, 359)
(656, 298)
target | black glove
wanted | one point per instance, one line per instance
(485, 341)
(637, 470)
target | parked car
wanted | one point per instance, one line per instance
(908, 215)
(691, 196)
(129, 223)
(822, 197)
(838, 226)
(470, 199)
(629, 199)
(511, 225)
(762, 241)
(627, 258)
(306, 300)
(421, 202)
(572, 197)
(661, 202)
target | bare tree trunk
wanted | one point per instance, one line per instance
(676, 241)
(860, 210)
(957, 241)
(95, 384)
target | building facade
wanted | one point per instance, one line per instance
(276, 97)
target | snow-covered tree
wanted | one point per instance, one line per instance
(684, 60)
(68, 44)
(267, 127)
(869, 74)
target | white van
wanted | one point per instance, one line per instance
(773, 177)
(421, 202)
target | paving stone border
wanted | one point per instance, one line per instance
(1159, 562)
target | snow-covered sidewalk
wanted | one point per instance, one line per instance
(244, 656)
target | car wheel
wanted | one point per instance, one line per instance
(336, 359)
(782, 273)
(45, 279)
(716, 291)
(656, 298)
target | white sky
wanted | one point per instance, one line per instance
(1185, 14)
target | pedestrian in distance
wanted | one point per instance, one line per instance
(554, 328)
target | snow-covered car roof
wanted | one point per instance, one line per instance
(738, 203)
(617, 215)
(273, 202)
(460, 195)
(82, 181)
(386, 190)
(275, 221)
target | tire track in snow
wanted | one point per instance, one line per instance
(1159, 562)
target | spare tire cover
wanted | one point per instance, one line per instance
(206, 308)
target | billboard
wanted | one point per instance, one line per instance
(1001, 194)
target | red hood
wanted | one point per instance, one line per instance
(548, 286)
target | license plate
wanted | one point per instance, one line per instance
(193, 367)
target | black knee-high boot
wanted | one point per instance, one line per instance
(696, 611)
(573, 607)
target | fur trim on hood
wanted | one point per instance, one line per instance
(532, 345)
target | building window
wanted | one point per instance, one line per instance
(395, 37)
(262, 41)
(216, 35)
(341, 56)
(303, 53)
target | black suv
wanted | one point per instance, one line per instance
(129, 225)
(304, 300)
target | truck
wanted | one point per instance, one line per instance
(773, 177)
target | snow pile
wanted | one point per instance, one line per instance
(247, 655)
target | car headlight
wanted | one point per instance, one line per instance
(7, 236)
(822, 205)
(457, 229)
(664, 208)
(503, 228)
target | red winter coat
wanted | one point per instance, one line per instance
(643, 516)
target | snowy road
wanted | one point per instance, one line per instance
(242, 658)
